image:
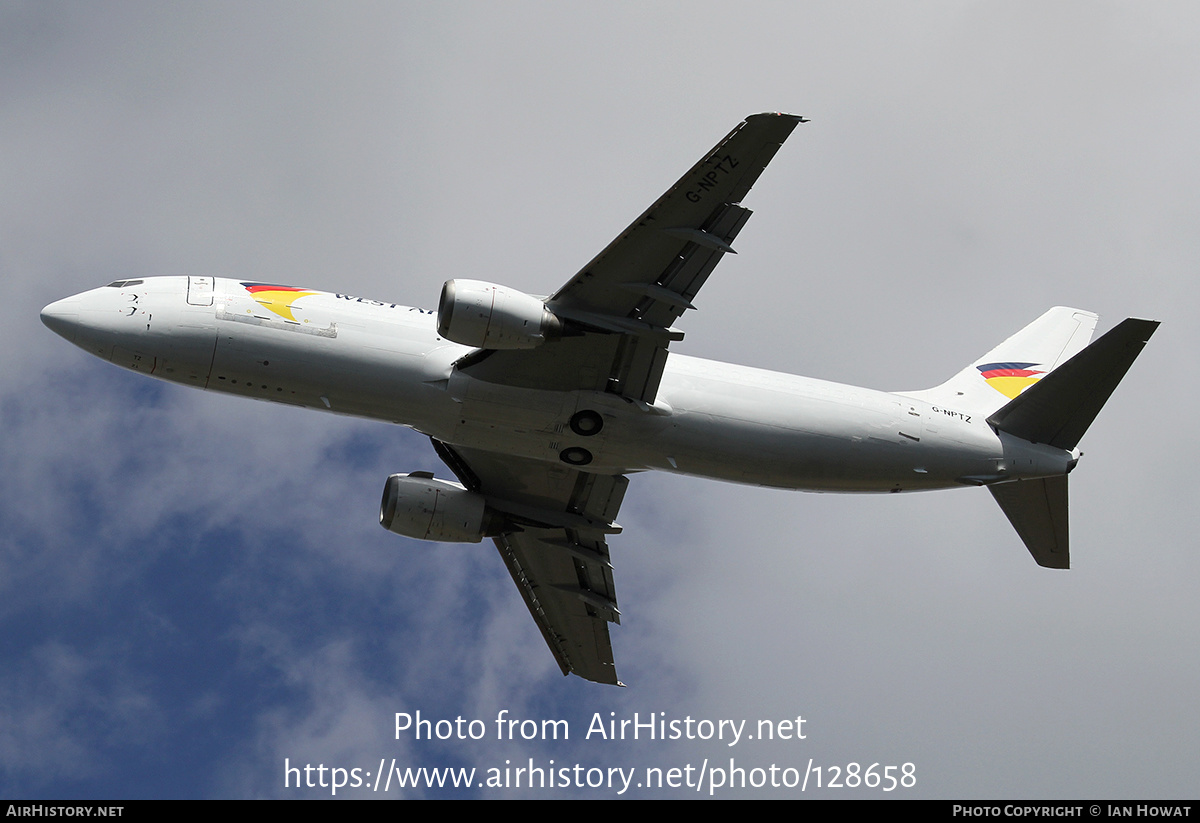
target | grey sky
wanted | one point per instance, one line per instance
(193, 587)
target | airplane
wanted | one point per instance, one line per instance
(542, 407)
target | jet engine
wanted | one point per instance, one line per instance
(488, 316)
(417, 505)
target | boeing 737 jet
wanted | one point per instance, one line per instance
(542, 407)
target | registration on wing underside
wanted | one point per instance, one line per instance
(626, 299)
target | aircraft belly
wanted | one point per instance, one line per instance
(770, 429)
(748, 451)
(354, 374)
(527, 422)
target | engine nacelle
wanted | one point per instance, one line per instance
(488, 316)
(417, 505)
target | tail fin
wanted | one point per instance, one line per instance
(1017, 363)
(1057, 410)
(1044, 384)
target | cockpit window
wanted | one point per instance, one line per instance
(116, 284)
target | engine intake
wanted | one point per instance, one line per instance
(488, 316)
(417, 505)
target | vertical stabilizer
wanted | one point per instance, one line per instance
(1017, 363)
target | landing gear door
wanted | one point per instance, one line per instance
(200, 291)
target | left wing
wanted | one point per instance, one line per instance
(621, 305)
(557, 554)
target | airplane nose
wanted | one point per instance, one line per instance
(62, 317)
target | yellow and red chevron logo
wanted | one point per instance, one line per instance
(1010, 379)
(277, 299)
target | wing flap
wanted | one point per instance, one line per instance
(573, 619)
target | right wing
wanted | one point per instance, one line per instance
(557, 554)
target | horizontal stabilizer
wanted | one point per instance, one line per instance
(1037, 509)
(1058, 409)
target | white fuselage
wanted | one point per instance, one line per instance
(385, 361)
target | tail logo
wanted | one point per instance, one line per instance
(1010, 379)
(277, 299)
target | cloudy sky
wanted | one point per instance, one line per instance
(194, 588)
